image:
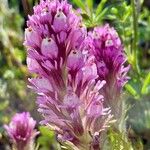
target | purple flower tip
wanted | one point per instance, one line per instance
(21, 129)
(109, 55)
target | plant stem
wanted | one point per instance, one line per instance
(135, 39)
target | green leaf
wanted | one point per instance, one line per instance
(46, 139)
(117, 141)
(80, 4)
(43, 140)
(127, 14)
(90, 4)
(131, 90)
(46, 132)
(100, 7)
(146, 84)
(100, 17)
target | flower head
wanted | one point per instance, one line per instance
(21, 130)
(66, 75)
(110, 59)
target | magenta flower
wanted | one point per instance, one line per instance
(21, 131)
(67, 80)
(110, 59)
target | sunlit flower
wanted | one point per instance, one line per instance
(67, 80)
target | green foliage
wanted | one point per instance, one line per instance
(132, 91)
(79, 3)
(11, 37)
(146, 85)
(139, 119)
(100, 7)
(47, 140)
(116, 141)
(13, 72)
(90, 4)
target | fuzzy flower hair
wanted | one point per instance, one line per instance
(67, 80)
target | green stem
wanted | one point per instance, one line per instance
(135, 39)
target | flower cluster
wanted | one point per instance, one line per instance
(68, 80)
(110, 60)
(21, 131)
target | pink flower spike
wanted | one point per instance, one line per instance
(21, 130)
(67, 80)
(110, 61)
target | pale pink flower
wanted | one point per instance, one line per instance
(67, 80)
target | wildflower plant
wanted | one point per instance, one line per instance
(79, 74)
(110, 59)
(21, 131)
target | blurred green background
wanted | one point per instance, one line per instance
(16, 97)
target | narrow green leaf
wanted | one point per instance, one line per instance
(131, 90)
(80, 4)
(46, 131)
(117, 141)
(100, 7)
(127, 14)
(90, 4)
(101, 15)
(146, 84)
